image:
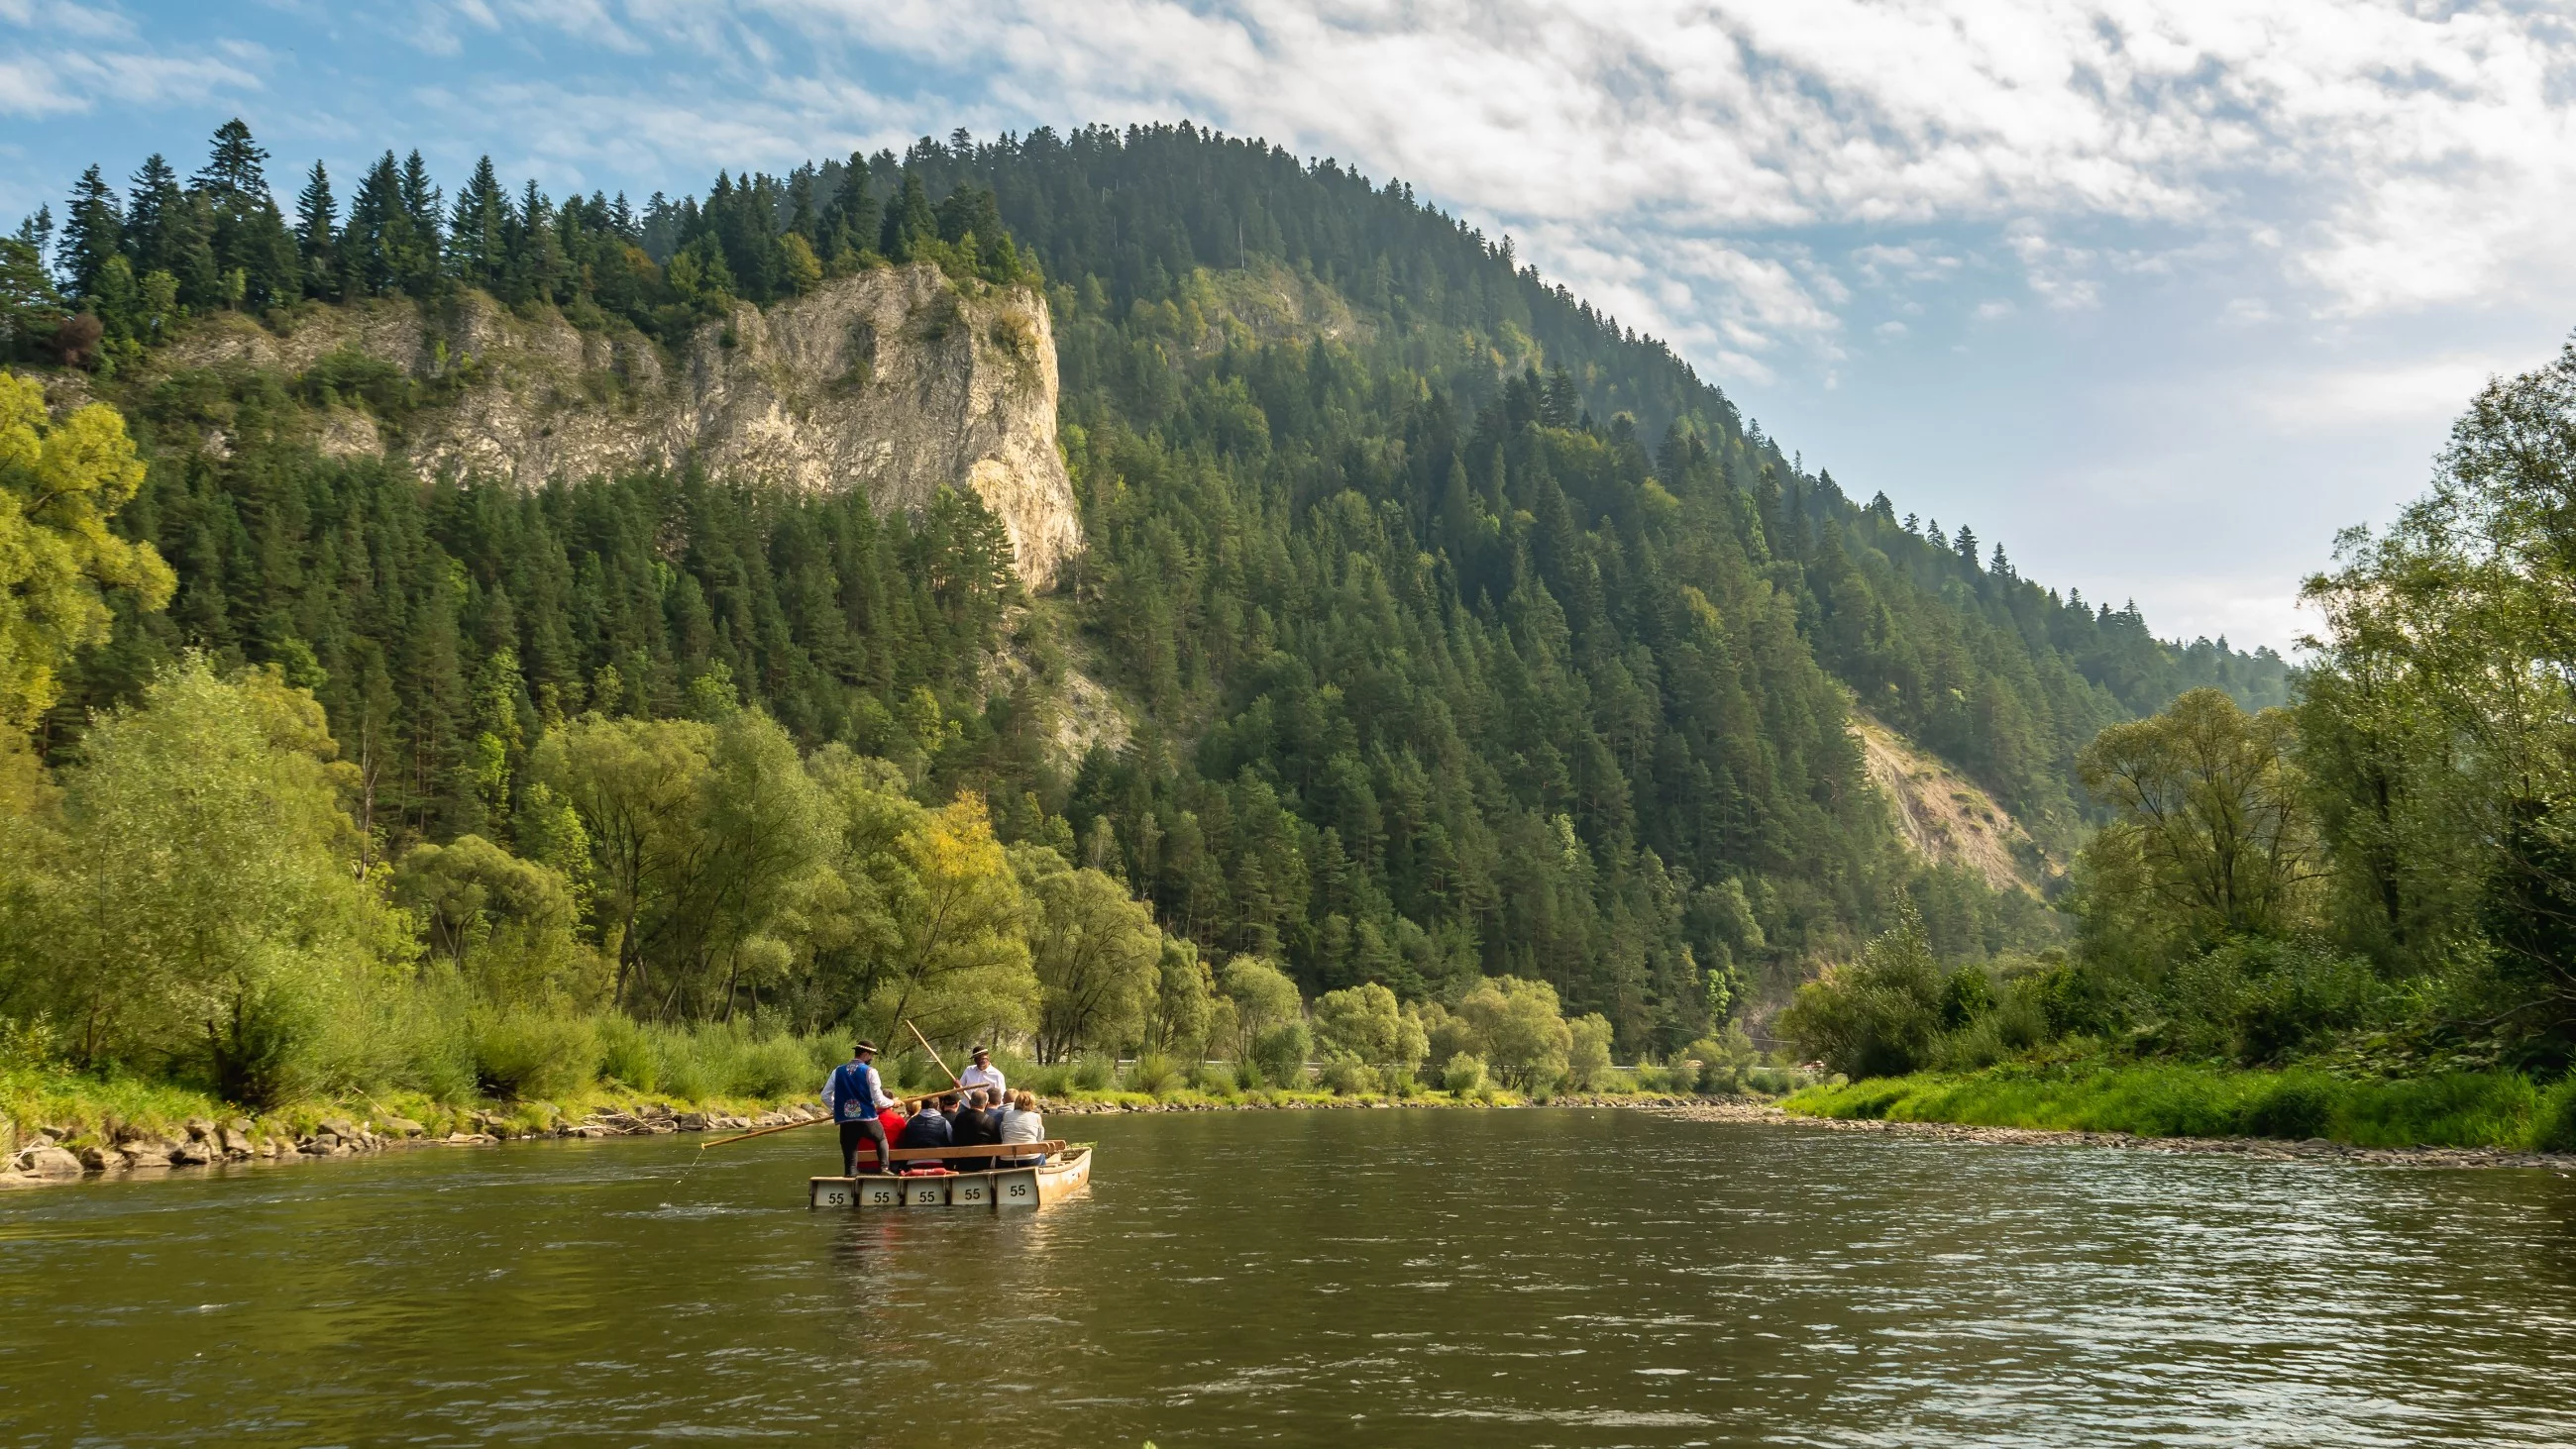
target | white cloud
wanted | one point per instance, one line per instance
(2395, 156)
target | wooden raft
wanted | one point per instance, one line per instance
(1063, 1169)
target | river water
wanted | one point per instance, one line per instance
(1571, 1277)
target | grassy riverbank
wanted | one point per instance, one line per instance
(2450, 1109)
(78, 1109)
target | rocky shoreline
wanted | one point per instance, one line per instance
(53, 1156)
(2257, 1149)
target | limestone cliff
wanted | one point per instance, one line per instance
(893, 382)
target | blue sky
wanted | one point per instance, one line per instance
(2160, 295)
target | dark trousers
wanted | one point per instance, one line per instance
(866, 1130)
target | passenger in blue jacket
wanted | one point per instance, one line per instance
(854, 1095)
(929, 1128)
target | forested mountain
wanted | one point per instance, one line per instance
(1460, 630)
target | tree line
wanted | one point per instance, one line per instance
(2376, 877)
(1441, 671)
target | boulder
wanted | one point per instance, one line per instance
(191, 1153)
(241, 1125)
(693, 1122)
(147, 1152)
(404, 1127)
(199, 1129)
(51, 1161)
(340, 1127)
(234, 1141)
(101, 1159)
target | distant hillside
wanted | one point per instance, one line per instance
(1428, 624)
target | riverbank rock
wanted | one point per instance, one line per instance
(404, 1127)
(50, 1161)
(146, 1152)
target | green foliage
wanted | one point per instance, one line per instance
(1281, 1052)
(61, 485)
(526, 1057)
(1587, 1059)
(1874, 1017)
(1523, 1035)
(1462, 1076)
(1506, 692)
(1153, 1074)
(2265, 1002)
(1345, 1075)
(2453, 1109)
(1098, 957)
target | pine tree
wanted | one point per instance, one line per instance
(420, 207)
(254, 257)
(153, 201)
(317, 245)
(475, 240)
(93, 234)
(910, 220)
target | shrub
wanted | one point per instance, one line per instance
(771, 1068)
(678, 1069)
(1978, 1044)
(1153, 1074)
(625, 1056)
(1052, 1080)
(1463, 1077)
(1770, 1081)
(1966, 996)
(2554, 1124)
(1877, 1016)
(1587, 1059)
(1347, 1075)
(2261, 1002)
(2295, 1106)
(525, 1055)
(1214, 1078)
(1093, 1074)
(1281, 1053)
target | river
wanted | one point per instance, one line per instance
(1568, 1277)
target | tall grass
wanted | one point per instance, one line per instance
(2451, 1109)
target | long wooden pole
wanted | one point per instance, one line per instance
(815, 1122)
(934, 1052)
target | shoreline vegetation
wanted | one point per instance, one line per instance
(2491, 1110)
(68, 1128)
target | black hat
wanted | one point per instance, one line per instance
(864, 1045)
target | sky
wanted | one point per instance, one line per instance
(2159, 295)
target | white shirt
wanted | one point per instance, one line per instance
(980, 1076)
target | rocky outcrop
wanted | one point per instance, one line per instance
(1946, 818)
(895, 382)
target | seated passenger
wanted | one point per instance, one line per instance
(929, 1128)
(1021, 1123)
(975, 1125)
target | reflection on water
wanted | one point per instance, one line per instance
(1507, 1278)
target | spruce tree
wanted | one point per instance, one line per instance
(93, 234)
(317, 222)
